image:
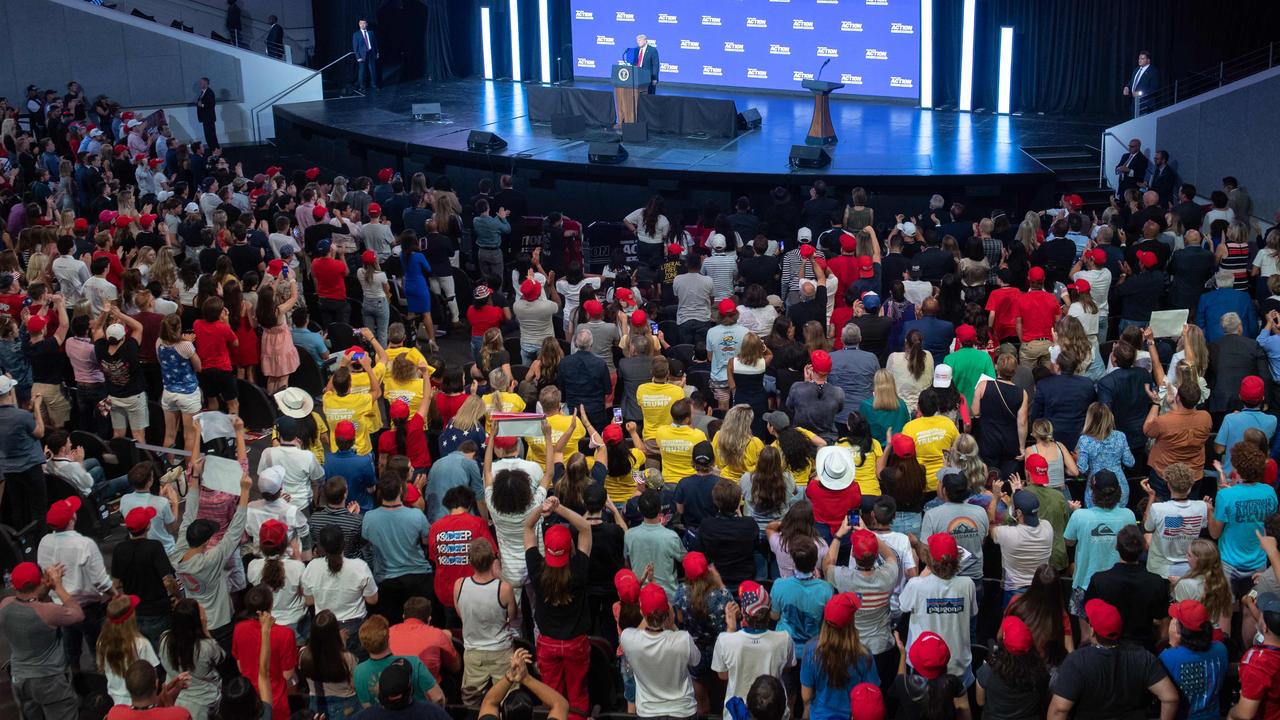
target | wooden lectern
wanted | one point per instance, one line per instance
(821, 132)
(628, 82)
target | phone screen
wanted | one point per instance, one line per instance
(617, 416)
(654, 327)
(854, 518)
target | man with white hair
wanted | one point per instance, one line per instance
(1215, 305)
(1232, 358)
(644, 55)
(853, 370)
(584, 379)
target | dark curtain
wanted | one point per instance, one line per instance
(334, 24)
(1074, 56)
(416, 36)
(437, 37)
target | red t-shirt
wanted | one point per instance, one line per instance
(12, 304)
(1260, 679)
(846, 271)
(213, 344)
(451, 538)
(151, 322)
(246, 643)
(447, 405)
(125, 712)
(832, 506)
(415, 442)
(1038, 310)
(482, 318)
(331, 278)
(839, 318)
(1003, 302)
(115, 268)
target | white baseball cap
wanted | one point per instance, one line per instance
(95, 133)
(908, 228)
(804, 234)
(192, 208)
(7, 384)
(271, 479)
(716, 241)
(115, 332)
(942, 376)
(164, 195)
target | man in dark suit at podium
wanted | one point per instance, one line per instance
(644, 55)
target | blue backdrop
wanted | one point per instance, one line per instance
(873, 45)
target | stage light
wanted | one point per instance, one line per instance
(486, 41)
(1006, 70)
(513, 9)
(544, 40)
(926, 55)
(966, 57)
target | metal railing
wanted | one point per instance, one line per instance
(256, 112)
(1102, 155)
(1225, 72)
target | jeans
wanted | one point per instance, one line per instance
(1102, 328)
(85, 632)
(392, 592)
(489, 261)
(443, 286)
(47, 698)
(477, 341)
(334, 707)
(528, 353)
(376, 313)
(564, 665)
(105, 489)
(152, 627)
(329, 311)
(907, 522)
(88, 395)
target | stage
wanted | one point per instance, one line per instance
(894, 150)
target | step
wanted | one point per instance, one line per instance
(1034, 149)
(1064, 155)
(1070, 166)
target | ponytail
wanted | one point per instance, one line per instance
(915, 353)
(273, 569)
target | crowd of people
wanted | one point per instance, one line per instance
(794, 462)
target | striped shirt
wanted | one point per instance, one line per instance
(874, 589)
(350, 524)
(1238, 262)
(791, 266)
(720, 268)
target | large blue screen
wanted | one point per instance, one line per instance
(873, 45)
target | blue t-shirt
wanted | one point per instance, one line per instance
(311, 341)
(1094, 530)
(1198, 676)
(1234, 425)
(799, 603)
(694, 493)
(831, 703)
(358, 472)
(1242, 508)
(396, 535)
(176, 370)
(722, 343)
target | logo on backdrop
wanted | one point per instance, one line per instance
(848, 79)
(584, 15)
(901, 29)
(827, 52)
(756, 74)
(776, 49)
(755, 22)
(900, 82)
(850, 26)
(690, 45)
(798, 24)
(604, 40)
(670, 68)
(881, 3)
(733, 47)
(586, 63)
(798, 75)
(712, 71)
(666, 19)
(621, 16)
(711, 20)
(873, 54)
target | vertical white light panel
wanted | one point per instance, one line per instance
(926, 54)
(513, 9)
(966, 56)
(1003, 103)
(544, 40)
(486, 41)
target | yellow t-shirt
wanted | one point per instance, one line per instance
(802, 474)
(655, 401)
(360, 410)
(507, 403)
(536, 445)
(623, 487)
(675, 446)
(934, 436)
(360, 378)
(864, 467)
(733, 470)
(415, 357)
(409, 391)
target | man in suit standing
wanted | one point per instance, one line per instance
(1163, 179)
(365, 46)
(275, 38)
(1144, 81)
(206, 113)
(644, 55)
(1132, 170)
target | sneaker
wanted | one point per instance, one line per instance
(440, 332)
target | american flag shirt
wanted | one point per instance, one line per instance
(1173, 525)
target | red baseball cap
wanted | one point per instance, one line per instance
(612, 434)
(807, 251)
(399, 410)
(624, 295)
(318, 212)
(866, 267)
(929, 655)
(345, 430)
(1016, 636)
(81, 224)
(118, 149)
(1037, 469)
(866, 702)
(1036, 274)
(864, 545)
(1252, 390)
(384, 175)
(1190, 614)
(368, 257)
(1075, 201)
(36, 324)
(966, 334)
(275, 267)
(559, 546)
(674, 249)
(273, 169)
(695, 565)
(63, 512)
(1104, 618)
(312, 173)
(727, 306)
(155, 163)
(903, 445)
(26, 576)
(139, 519)
(653, 599)
(627, 585)
(593, 308)
(848, 243)
(139, 156)
(530, 290)
(943, 545)
(147, 220)
(123, 221)
(821, 361)
(125, 613)
(1081, 286)
(506, 442)
(411, 494)
(639, 318)
(1147, 259)
(273, 533)
(1098, 256)
(841, 608)
(374, 209)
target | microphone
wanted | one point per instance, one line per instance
(824, 65)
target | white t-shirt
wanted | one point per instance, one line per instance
(662, 228)
(535, 320)
(343, 592)
(944, 607)
(1023, 549)
(261, 511)
(693, 297)
(98, 291)
(874, 589)
(570, 295)
(301, 471)
(115, 683)
(917, 291)
(745, 656)
(164, 516)
(72, 275)
(509, 532)
(1266, 264)
(372, 287)
(1099, 285)
(531, 468)
(1173, 524)
(289, 604)
(661, 662)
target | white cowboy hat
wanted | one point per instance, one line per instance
(295, 402)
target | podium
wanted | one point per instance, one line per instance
(628, 82)
(821, 132)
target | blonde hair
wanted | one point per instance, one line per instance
(1199, 348)
(885, 391)
(1042, 430)
(1027, 233)
(37, 267)
(471, 415)
(1206, 564)
(1099, 423)
(751, 350)
(964, 456)
(117, 647)
(164, 270)
(735, 435)
(1073, 340)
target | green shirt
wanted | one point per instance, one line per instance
(1055, 511)
(652, 543)
(967, 364)
(369, 672)
(882, 421)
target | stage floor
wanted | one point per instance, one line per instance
(877, 140)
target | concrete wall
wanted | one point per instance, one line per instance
(142, 65)
(1229, 131)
